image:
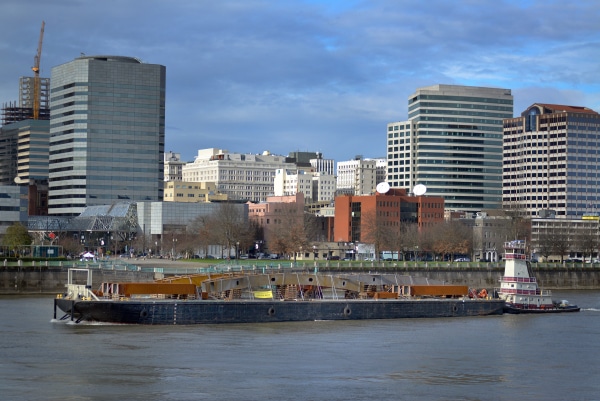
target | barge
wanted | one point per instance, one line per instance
(267, 297)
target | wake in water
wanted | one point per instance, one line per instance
(85, 323)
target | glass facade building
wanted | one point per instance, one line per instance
(452, 144)
(107, 133)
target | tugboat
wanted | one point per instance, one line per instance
(519, 288)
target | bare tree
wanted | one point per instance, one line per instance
(290, 233)
(227, 227)
(71, 245)
(545, 244)
(518, 227)
(587, 240)
(404, 238)
(451, 237)
(199, 235)
(376, 230)
(560, 242)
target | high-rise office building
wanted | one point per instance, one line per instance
(552, 161)
(452, 144)
(359, 176)
(107, 133)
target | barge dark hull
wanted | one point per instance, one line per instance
(169, 312)
(520, 311)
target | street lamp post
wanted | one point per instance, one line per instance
(173, 248)
(237, 250)
(314, 252)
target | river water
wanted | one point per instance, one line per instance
(483, 358)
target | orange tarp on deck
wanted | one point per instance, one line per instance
(439, 290)
(128, 289)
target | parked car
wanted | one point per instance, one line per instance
(462, 259)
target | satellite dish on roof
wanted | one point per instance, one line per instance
(419, 189)
(383, 187)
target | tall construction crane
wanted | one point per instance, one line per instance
(36, 76)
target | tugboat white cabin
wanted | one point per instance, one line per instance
(519, 288)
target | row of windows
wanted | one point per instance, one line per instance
(426, 106)
(476, 151)
(487, 181)
(461, 120)
(544, 186)
(56, 98)
(466, 140)
(555, 147)
(525, 183)
(465, 157)
(449, 165)
(112, 85)
(460, 99)
(487, 129)
(449, 191)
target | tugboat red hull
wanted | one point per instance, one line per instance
(515, 310)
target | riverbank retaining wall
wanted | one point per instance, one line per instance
(40, 280)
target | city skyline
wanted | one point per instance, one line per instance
(314, 75)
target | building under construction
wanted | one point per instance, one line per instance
(13, 112)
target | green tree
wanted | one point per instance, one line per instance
(16, 237)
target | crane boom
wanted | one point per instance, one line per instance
(36, 76)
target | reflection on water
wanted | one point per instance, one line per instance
(492, 358)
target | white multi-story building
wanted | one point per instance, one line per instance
(173, 166)
(551, 161)
(360, 176)
(240, 176)
(290, 182)
(323, 165)
(324, 187)
(316, 187)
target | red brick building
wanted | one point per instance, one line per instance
(392, 208)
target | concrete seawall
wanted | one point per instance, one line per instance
(52, 280)
(26, 280)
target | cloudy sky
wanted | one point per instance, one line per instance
(313, 75)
